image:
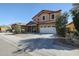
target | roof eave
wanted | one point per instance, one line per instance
(46, 10)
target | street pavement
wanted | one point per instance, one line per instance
(7, 49)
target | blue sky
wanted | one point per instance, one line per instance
(12, 13)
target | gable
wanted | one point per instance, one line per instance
(45, 12)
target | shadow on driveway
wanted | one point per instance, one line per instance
(44, 43)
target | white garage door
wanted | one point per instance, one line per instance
(48, 30)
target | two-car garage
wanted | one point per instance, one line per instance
(47, 29)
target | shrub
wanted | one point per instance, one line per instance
(61, 22)
(17, 29)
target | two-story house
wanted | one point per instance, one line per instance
(44, 22)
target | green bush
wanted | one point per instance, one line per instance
(75, 16)
(17, 29)
(61, 22)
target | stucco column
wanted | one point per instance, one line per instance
(37, 28)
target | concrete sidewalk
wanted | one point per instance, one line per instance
(10, 38)
(7, 48)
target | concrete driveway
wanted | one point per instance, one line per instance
(41, 44)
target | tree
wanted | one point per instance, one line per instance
(17, 28)
(61, 22)
(75, 16)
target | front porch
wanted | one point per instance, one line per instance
(32, 29)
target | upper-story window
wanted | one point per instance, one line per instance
(52, 16)
(43, 17)
(38, 19)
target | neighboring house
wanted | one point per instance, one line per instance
(23, 26)
(13, 26)
(3, 29)
(70, 27)
(43, 22)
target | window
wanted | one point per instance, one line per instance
(43, 17)
(48, 26)
(44, 26)
(52, 17)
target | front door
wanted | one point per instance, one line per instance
(34, 29)
(29, 28)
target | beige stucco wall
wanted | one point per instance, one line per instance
(47, 17)
(57, 14)
(51, 25)
(35, 18)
